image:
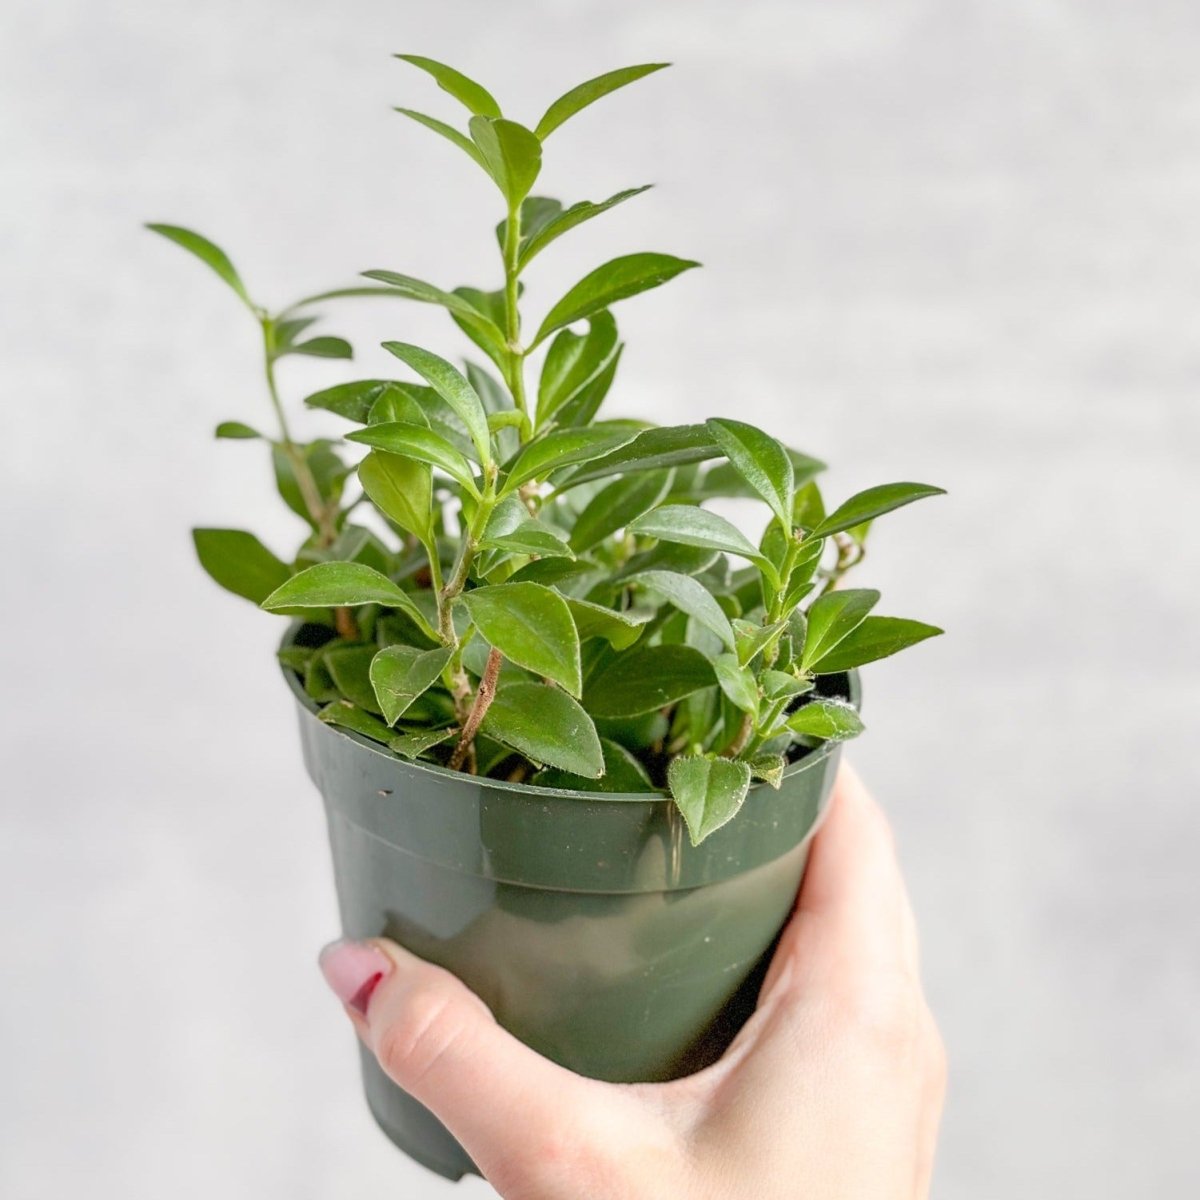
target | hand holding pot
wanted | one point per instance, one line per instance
(833, 1088)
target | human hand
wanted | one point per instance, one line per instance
(833, 1089)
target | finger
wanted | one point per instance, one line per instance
(439, 1042)
(852, 912)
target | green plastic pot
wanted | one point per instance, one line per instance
(590, 925)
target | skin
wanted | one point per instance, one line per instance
(832, 1091)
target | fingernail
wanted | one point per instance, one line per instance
(353, 971)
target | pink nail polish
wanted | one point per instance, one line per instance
(353, 971)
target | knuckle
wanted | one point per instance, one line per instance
(428, 1027)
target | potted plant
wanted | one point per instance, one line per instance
(573, 729)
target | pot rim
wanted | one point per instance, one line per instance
(310, 706)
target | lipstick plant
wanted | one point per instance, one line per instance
(494, 578)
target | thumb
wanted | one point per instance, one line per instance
(438, 1041)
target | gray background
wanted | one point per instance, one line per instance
(943, 240)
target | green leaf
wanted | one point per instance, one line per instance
(207, 252)
(531, 625)
(809, 510)
(350, 668)
(708, 792)
(578, 98)
(399, 674)
(619, 629)
(236, 430)
(751, 637)
(239, 562)
(622, 774)
(338, 584)
(354, 401)
(761, 461)
(512, 156)
(561, 448)
(698, 527)
(737, 682)
(426, 293)
(415, 742)
(453, 387)
(874, 502)
(616, 504)
(547, 726)
(423, 445)
(831, 618)
(466, 91)
(357, 720)
(566, 220)
(288, 329)
(536, 213)
(670, 446)
(829, 720)
(724, 479)
(530, 537)
(401, 489)
(769, 768)
(689, 596)
(616, 280)
(321, 347)
(779, 685)
(451, 134)
(573, 361)
(875, 638)
(666, 556)
(646, 678)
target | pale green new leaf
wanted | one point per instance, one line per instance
(874, 502)
(207, 252)
(512, 155)
(560, 223)
(875, 638)
(402, 489)
(465, 90)
(616, 280)
(572, 361)
(562, 448)
(236, 430)
(761, 461)
(579, 97)
(737, 682)
(451, 134)
(418, 442)
(831, 618)
(452, 386)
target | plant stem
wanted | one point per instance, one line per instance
(483, 701)
(515, 374)
(323, 516)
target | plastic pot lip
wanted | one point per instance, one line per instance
(813, 758)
